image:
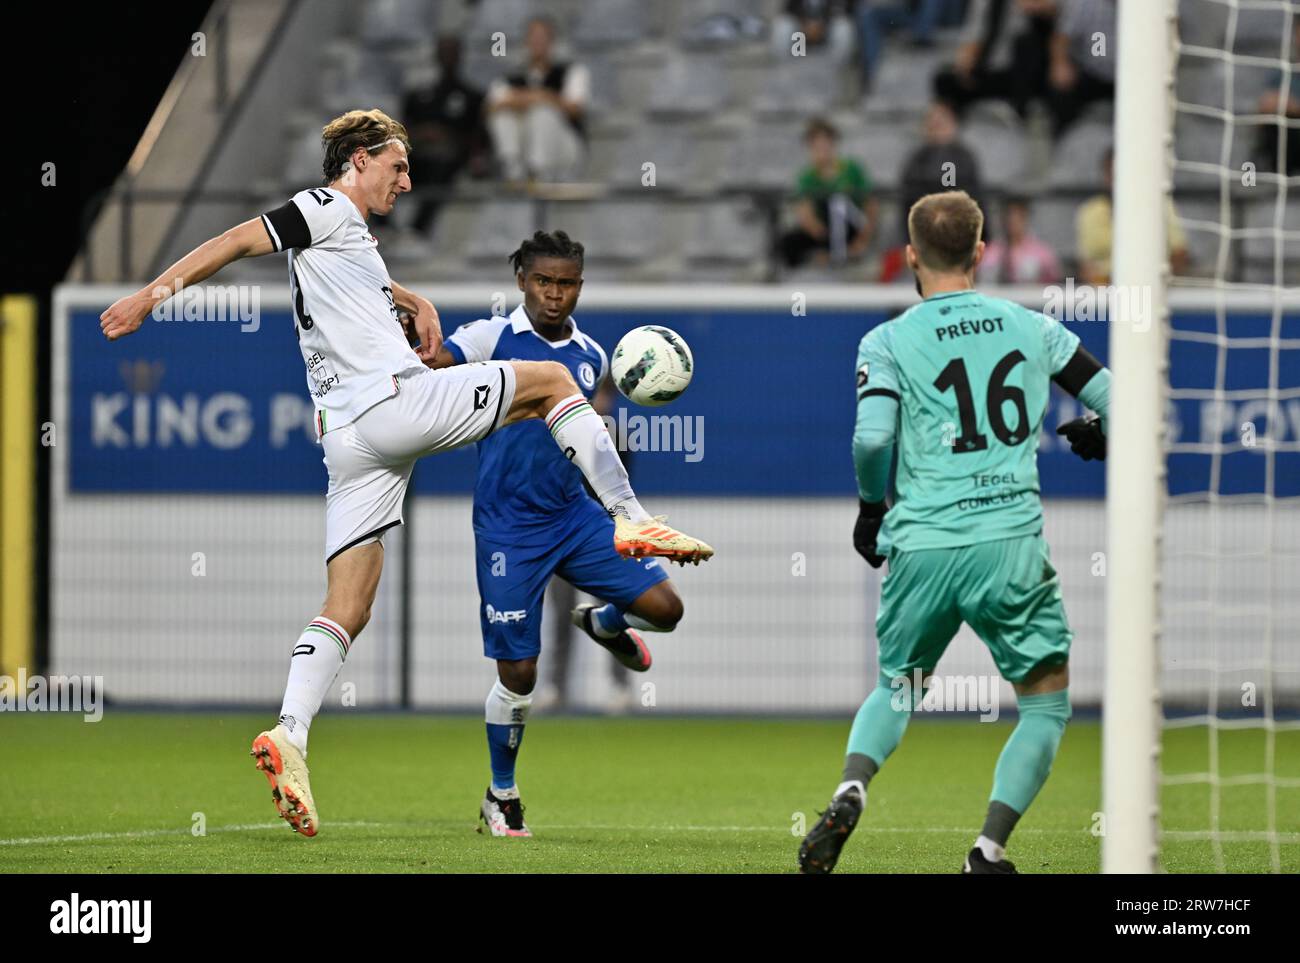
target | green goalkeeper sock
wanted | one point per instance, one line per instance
(1027, 757)
(877, 730)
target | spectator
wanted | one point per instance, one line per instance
(837, 214)
(825, 26)
(445, 122)
(536, 116)
(877, 18)
(1018, 257)
(1272, 102)
(941, 163)
(1093, 229)
(1082, 60)
(1002, 55)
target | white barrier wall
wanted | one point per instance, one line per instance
(756, 636)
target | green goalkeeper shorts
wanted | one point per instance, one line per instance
(1007, 591)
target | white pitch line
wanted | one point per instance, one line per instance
(1287, 837)
(151, 833)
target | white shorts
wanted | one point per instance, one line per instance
(370, 460)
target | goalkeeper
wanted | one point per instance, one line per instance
(957, 386)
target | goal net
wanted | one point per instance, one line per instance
(1209, 545)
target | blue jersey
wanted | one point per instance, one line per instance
(524, 480)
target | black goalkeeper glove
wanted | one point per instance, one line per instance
(1085, 437)
(867, 529)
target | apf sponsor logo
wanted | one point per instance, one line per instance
(495, 616)
(103, 916)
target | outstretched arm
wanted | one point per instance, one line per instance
(249, 239)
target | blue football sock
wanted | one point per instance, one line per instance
(608, 621)
(506, 713)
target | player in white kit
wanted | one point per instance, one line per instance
(379, 408)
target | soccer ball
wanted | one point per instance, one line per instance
(652, 365)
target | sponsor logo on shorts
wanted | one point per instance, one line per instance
(495, 616)
(481, 393)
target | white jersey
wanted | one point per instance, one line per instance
(351, 341)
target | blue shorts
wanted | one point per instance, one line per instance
(515, 567)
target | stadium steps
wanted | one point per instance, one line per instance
(187, 128)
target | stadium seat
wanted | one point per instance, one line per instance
(616, 231)
(357, 77)
(303, 164)
(769, 156)
(609, 23)
(689, 86)
(903, 80)
(798, 87)
(498, 229)
(726, 232)
(881, 151)
(1077, 156)
(1000, 150)
(672, 154)
(604, 84)
(509, 17)
(1053, 221)
(396, 23)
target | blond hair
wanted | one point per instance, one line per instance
(944, 229)
(372, 129)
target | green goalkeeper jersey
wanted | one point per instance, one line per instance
(971, 375)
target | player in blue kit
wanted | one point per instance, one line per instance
(533, 518)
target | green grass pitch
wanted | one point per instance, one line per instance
(399, 793)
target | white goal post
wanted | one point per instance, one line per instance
(1135, 464)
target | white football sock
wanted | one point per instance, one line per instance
(583, 437)
(844, 787)
(991, 850)
(317, 658)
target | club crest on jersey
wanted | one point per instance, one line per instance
(862, 375)
(481, 397)
(587, 375)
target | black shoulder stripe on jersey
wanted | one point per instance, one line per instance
(879, 391)
(1078, 371)
(287, 227)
